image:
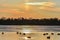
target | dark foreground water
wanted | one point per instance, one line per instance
(27, 28)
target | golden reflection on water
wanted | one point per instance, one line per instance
(31, 33)
(29, 36)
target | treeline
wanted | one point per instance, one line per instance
(22, 21)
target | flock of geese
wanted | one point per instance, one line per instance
(44, 34)
(48, 37)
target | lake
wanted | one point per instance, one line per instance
(27, 28)
(10, 32)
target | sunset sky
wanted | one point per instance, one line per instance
(18, 8)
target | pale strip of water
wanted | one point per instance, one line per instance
(13, 28)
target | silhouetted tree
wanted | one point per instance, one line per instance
(30, 21)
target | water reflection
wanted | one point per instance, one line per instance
(28, 28)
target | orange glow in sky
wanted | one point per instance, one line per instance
(29, 9)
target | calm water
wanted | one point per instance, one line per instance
(27, 28)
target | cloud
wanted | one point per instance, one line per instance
(47, 4)
(14, 11)
(10, 7)
(43, 5)
(50, 6)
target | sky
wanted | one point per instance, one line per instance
(19, 8)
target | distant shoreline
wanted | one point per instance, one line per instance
(23, 21)
(27, 25)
